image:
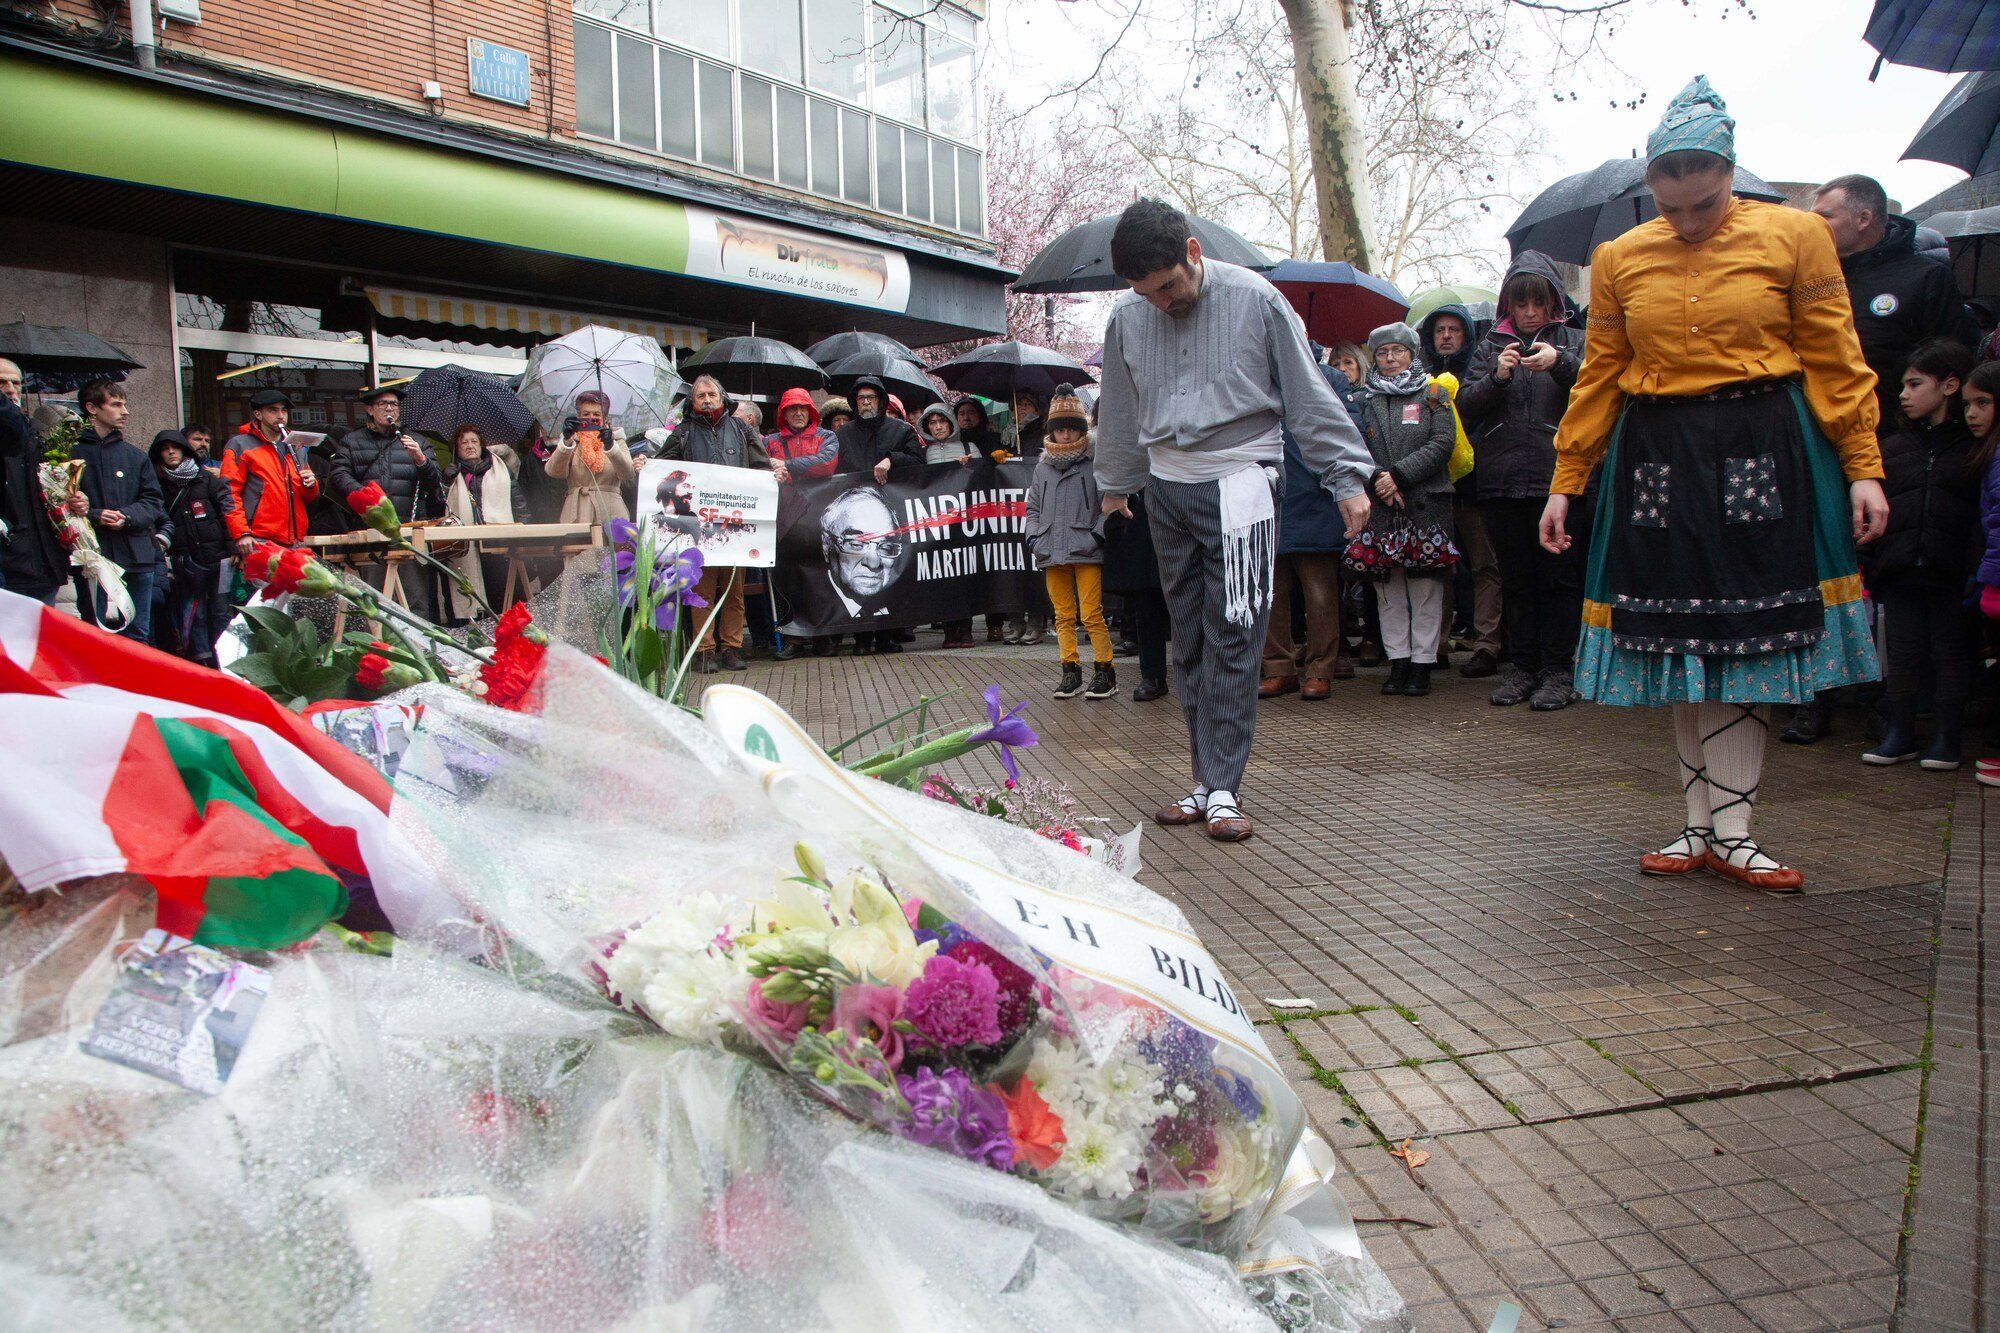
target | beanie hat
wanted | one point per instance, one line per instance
(1696, 120)
(834, 403)
(1066, 409)
(1389, 334)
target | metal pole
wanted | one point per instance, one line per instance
(142, 33)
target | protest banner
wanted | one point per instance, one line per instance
(942, 542)
(731, 513)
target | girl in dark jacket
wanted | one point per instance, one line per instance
(1919, 568)
(196, 595)
(1512, 400)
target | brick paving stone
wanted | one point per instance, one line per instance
(1475, 867)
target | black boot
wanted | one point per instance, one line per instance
(1399, 677)
(1072, 681)
(1149, 690)
(1811, 722)
(1103, 682)
(1899, 739)
(1419, 683)
(1942, 754)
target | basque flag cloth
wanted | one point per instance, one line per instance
(252, 826)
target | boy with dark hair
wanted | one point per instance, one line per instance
(126, 506)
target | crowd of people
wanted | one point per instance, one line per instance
(1711, 490)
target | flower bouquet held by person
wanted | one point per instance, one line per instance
(61, 479)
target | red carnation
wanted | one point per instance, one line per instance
(368, 671)
(366, 498)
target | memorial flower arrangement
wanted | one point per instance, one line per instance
(61, 480)
(912, 1025)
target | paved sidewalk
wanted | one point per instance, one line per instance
(1646, 1103)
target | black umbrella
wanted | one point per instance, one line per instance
(899, 375)
(1079, 260)
(843, 345)
(761, 366)
(1964, 131)
(1570, 219)
(54, 351)
(1952, 36)
(444, 398)
(1001, 370)
(1975, 252)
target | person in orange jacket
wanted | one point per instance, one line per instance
(271, 489)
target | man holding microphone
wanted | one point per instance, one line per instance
(271, 488)
(408, 473)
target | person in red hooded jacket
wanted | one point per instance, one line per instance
(801, 447)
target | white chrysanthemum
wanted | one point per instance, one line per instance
(1064, 1076)
(1242, 1170)
(1098, 1159)
(695, 995)
(689, 926)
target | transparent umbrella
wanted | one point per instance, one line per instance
(627, 368)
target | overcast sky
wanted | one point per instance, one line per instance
(1795, 76)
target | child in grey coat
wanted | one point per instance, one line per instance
(1066, 533)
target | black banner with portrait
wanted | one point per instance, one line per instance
(943, 542)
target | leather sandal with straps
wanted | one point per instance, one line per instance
(1777, 879)
(1187, 810)
(1226, 823)
(1667, 861)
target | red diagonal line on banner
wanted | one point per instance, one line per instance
(987, 510)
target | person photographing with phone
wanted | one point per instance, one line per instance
(594, 461)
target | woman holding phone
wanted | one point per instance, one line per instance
(1725, 391)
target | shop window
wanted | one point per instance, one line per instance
(888, 167)
(825, 147)
(677, 109)
(718, 116)
(917, 155)
(944, 184)
(700, 24)
(791, 138)
(837, 48)
(954, 102)
(899, 66)
(854, 173)
(971, 193)
(593, 80)
(760, 157)
(771, 38)
(638, 122)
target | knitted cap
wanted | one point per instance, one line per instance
(1066, 409)
(1401, 334)
(1696, 120)
(835, 404)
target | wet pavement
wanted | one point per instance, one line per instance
(1646, 1104)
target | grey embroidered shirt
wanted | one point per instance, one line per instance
(1194, 399)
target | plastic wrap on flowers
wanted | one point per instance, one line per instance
(952, 980)
(420, 1142)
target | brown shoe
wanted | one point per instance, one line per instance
(1177, 815)
(1272, 686)
(1343, 669)
(1315, 688)
(1233, 828)
(1782, 880)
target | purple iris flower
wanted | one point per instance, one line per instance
(674, 582)
(1007, 729)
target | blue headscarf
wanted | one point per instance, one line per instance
(1696, 120)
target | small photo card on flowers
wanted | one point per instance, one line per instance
(178, 1011)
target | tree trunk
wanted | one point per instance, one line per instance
(1323, 59)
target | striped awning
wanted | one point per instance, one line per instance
(471, 313)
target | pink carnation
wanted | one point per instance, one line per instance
(954, 1003)
(870, 1013)
(1017, 988)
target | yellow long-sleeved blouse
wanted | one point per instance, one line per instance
(1763, 298)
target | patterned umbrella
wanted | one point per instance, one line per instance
(762, 366)
(1079, 260)
(843, 345)
(444, 398)
(1953, 36)
(629, 369)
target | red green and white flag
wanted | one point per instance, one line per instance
(251, 825)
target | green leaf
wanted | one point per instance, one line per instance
(307, 635)
(327, 682)
(270, 631)
(257, 668)
(648, 653)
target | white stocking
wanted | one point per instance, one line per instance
(1700, 827)
(1732, 748)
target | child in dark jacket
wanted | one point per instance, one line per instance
(1918, 568)
(1066, 533)
(1982, 418)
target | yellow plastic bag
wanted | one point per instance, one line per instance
(1461, 449)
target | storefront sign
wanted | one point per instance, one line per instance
(497, 73)
(730, 247)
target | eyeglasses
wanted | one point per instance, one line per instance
(888, 546)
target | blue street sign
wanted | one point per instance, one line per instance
(498, 73)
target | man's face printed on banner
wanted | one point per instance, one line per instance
(862, 553)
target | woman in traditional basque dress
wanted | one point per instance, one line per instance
(1724, 390)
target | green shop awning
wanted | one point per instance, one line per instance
(70, 119)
